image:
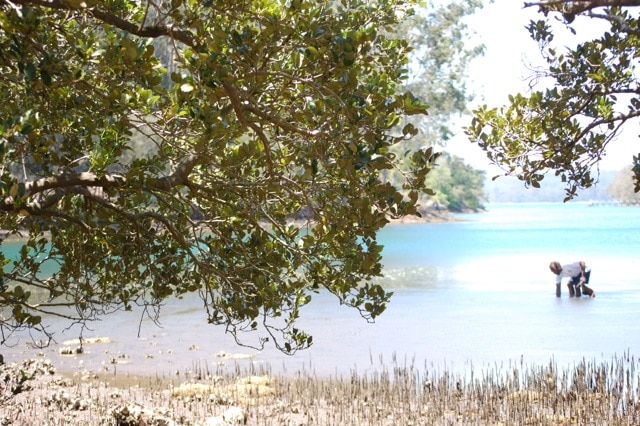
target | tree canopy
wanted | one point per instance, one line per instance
(589, 94)
(270, 111)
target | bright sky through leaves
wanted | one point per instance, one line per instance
(505, 69)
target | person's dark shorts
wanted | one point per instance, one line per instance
(576, 280)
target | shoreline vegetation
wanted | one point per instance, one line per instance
(33, 393)
(428, 216)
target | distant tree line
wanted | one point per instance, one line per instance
(622, 187)
(509, 189)
(617, 186)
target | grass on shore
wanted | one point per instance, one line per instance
(589, 393)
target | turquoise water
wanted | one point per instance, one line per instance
(473, 291)
(511, 245)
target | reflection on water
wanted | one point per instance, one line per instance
(424, 278)
(475, 291)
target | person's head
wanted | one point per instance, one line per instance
(555, 267)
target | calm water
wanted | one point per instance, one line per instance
(475, 291)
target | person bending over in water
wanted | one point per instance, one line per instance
(579, 274)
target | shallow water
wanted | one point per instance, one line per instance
(471, 292)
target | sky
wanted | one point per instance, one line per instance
(503, 70)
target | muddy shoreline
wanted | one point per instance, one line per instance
(589, 393)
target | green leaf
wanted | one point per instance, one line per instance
(29, 71)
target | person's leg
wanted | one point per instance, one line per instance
(575, 281)
(572, 291)
(585, 288)
(558, 290)
(588, 291)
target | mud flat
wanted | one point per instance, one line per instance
(33, 393)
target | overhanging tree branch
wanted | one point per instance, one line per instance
(56, 187)
(84, 89)
(579, 6)
(67, 180)
(151, 31)
(624, 26)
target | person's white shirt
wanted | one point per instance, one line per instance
(570, 270)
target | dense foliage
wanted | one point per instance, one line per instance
(590, 94)
(273, 111)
